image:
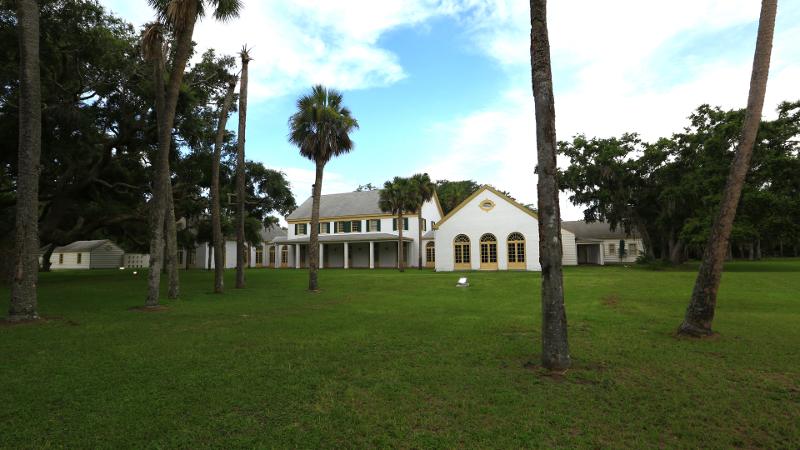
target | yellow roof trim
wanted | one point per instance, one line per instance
(494, 191)
(438, 204)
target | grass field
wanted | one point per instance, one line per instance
(382, 359)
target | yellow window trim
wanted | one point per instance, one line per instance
(486, 205)
(480, 190)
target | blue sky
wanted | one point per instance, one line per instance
(443, 86)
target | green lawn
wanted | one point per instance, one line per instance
(383, 359)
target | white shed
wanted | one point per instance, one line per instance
(99, 254)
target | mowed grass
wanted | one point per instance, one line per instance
(383, 359)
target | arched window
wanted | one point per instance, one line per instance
(488, 251)
(516, 251)
(430, 253)
(461, 247)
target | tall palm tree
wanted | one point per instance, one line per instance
(700, 313)
(424, 190)
(179, 17)
(171, 233)
(397, 197)
(321, 129)
(240, 174)
(26, 248)
(555, 348)
(216, 213)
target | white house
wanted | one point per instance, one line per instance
(490, 231)
(99, 254)
(597, 243)
(354, 232)
(202, 256)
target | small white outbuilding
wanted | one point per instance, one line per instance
(99, 254)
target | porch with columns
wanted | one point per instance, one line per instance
(358, 253)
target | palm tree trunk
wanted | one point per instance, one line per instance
(166, 102)
(158, 199)
(419, 239)
(313, 241)
(401, 262)
(240, 174)
(26, 250)
(555, 348)
(171, 231)
(700, 313)
(216, 213)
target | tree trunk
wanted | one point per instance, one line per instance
(419, 239)
(48, 252)
(166, 102)
(158, 199)
(555, 348)
(401, 261)
(216, 212)
(6, 259)
(209, 247)
(676, 252)
(171, 230)
(758, 248)
(240, 174)
(24, 302)
(700, 313)
(313, 241)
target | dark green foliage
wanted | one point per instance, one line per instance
(99, 131)
(452, 193)
(669, 190)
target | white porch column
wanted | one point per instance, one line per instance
(277, 255)
(321, 254)
(371, 254)
(296, 256)
(346, 256)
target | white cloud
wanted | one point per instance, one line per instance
(611, 61)
(304, 42)
(610, 51)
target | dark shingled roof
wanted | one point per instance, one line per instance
(81, 246)
(268, 234)
(346, 204)
(594, 230)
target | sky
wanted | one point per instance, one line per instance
(443, 86)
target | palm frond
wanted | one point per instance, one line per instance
(225, 10)
(153, 41)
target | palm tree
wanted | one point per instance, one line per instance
(396, 197)
(179, 17)
(321, 129)
(555, 348)
(26, 249)
(424, 190)
(216, 214)
(171, 233)
(240, 172)
(700, 313)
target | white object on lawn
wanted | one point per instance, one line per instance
(462, 282)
